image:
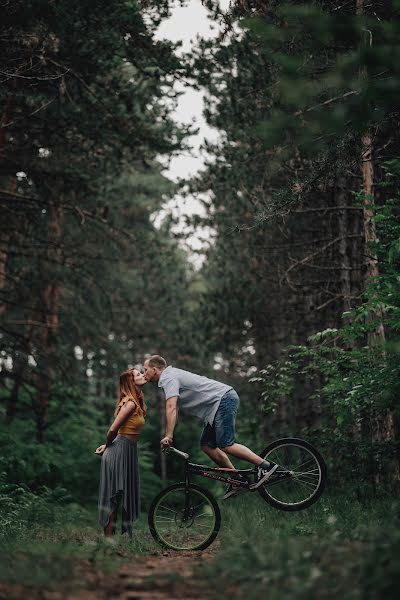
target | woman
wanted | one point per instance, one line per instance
(119, 476)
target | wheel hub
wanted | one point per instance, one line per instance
(184, 521)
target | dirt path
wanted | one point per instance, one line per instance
(166, 576)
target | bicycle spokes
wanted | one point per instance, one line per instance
(298, 477)
(184, 521)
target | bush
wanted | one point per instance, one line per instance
(339, 548)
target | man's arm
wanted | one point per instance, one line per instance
(171, 414)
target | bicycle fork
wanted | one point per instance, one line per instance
(187, 508)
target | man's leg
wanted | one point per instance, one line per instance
(225, 437)
(218, 456)
(208, 445)
(243, 453)
(265, 468)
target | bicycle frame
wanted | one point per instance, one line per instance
(222, 474)
(217, 473)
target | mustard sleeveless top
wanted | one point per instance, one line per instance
(134, 424)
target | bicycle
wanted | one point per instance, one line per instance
(185, 516)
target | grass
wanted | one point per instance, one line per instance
(340, 547)
(40, 552)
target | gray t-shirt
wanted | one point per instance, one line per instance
(197, 395)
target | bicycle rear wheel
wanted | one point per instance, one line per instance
(300, 479)
(180, 525)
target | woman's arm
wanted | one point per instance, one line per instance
(125, 412)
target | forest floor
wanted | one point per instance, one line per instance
(342, 547)
(164, 576)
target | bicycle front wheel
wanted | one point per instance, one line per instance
(300, 478)
(184, 518)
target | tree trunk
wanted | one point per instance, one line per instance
(19, 367)
(3, 262)
(382, 420)
(10, 184)
(47, 333)
(376, 337)
(6, 116)
(162, 421)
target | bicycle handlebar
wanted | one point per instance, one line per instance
(177, 452)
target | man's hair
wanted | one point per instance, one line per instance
(157, 361)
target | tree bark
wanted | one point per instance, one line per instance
(46, 334)
(162, 421)
(383, 420)
(376, 337)
(10, 184)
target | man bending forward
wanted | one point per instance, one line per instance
(213, 402)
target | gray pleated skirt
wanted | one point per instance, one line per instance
(119, 483)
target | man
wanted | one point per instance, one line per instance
(216, 405)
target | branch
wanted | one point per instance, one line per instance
(45, 105)
(37, 78)
(330, 101)
(309, 257)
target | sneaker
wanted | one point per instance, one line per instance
(264, 475)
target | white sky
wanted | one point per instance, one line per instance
(186, 24)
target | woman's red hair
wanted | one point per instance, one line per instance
(128, 390)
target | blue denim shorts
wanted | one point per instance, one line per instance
(222, 432)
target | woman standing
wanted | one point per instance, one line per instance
(119, 476)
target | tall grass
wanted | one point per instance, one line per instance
(45, 539)
(339, 548)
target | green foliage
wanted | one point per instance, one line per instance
(303, 81)
(20, 508)
(357, 383)
(48, 498)
(50, 542)
(341, 547)
(331, 73)
(84, 266)
(283, 92)
(67, 461)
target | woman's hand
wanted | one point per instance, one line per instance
(100, 449)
